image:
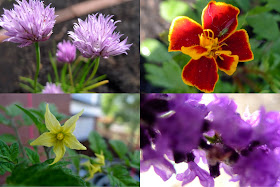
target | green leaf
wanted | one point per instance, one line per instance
(154, 51)
(32, 155)
(41, 127)
(8, 138)
(5, 158)
(119, 176)
(172, 8)
(119, 147)
(167, 76)
(12, 110)
(243, 4)
(264, 26)
(4, 149)
(274, 4)
(135, 159)
(5, 166)
(4, 120)
(74, 157)
(98, 145)
(14, 151)
(43, 175)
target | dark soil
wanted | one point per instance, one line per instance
(122, 71)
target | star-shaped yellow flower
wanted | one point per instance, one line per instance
(59, 136)
(96, 167)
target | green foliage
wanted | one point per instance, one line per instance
(259, 18)
(98, 145)
(43, 175)
(119, 176)
(171, 9)
(8, 138)
(8, 157)
(119, 147)
(32, 155)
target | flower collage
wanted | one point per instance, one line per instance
(143, 93)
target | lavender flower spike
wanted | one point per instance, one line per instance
(51, 88)
(95, 37)
(28, 22)
(66, 52)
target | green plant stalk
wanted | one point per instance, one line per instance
(38, 62)
(54, 67)
(70, 75)
(96, 65)
(18, 138)
(47, 151)
(95, 85)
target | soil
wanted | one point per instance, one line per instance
(122, 71)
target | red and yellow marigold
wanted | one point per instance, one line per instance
(214, 45)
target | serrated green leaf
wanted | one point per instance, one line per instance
(154, 51)
(98, 145)
(264, 26)
(5, 166)
(4, 149)
(119, 147)
(32, 155)
(135, 159)
(43, 175)
(119, 176)
(167, 76)
(14, 151)
(8, 138)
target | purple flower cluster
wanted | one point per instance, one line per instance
(28, 22)
(179, 128)
(52, 88)
(95, 37)
(66, 52)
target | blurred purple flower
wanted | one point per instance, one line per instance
(95, 37)
(260, 168)
(66, 52)
(193, 171)
(267, 130)
(28, 22)
(51, 88)
(162, 166)
(235, 132)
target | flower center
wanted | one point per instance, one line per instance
(212, 45)
(60, 136)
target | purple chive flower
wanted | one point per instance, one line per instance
(260, 168)
(95, 37)
(28, 22)
(51, 88)
(66, 52)
(195, 171)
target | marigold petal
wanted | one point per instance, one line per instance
(238, 44)
(70, 124)
(227, 63)
(46, 139)
(195, 51)
(59, 151)
(201, 73)
(51, 122)
(71, 141)
(221, 18)
(183, 32)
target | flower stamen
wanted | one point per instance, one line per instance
(60, 136)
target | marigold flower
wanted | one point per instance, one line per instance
(52, 88)
(66, 52)
(214, 45)
(59, 136)
(95, 167)
(95, 37)
(28, 22)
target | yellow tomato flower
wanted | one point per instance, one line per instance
(96, 167)
(59, 136)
